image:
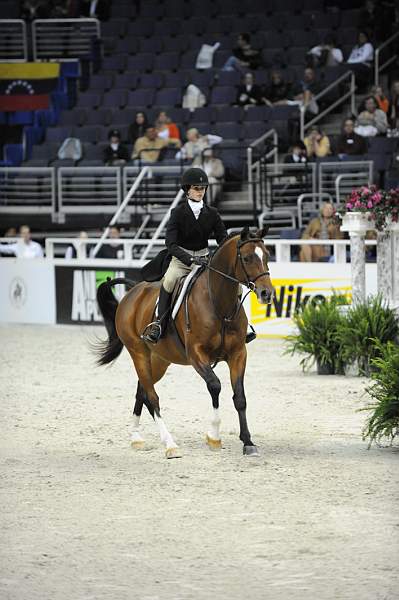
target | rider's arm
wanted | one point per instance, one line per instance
(172, 231)
(219, 229)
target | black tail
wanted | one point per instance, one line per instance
(110, 349)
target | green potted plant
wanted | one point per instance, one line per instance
(317, 325)
(384, 420)
(364, 323)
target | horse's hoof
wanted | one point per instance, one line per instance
(173, 453)
(250, 451)
(213, 444)
(138, 444)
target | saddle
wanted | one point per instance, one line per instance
(181, 293)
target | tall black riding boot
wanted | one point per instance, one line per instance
(156, 330)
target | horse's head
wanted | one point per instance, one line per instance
(252, 264)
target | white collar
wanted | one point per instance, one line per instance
(196, 207)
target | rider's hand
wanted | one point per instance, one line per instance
(199, 260)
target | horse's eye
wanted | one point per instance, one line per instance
(247, 259)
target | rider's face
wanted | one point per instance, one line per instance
(196, 192)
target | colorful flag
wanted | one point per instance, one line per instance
(27, 86)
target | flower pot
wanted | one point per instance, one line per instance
(325, 368)
(357, 222)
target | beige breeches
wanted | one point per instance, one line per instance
(177, 269)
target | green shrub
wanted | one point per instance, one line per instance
(365, 323)
(384, 421)
(317, 325)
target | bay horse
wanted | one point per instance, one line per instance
(211, 328)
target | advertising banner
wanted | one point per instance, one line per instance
(299, 283)
(27, 293)
(76, 289)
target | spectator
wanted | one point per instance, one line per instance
(372, 120)
(166, 128)
(95, 9)
(326, 54)
(382, 100)
(24, 247)
(196, 144)
(149, 147)
(277, 91)
(244, 56)
(11, 232)
(297, 154)
(361, 58)
(138, 127)
(214, 168)
(71, 251)
(248, 93)
(394, 105)
(317, 144)
(349, 142)
(116, 154)
(306, 89)
(323, 227)
(113, 248)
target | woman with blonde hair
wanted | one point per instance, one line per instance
(323, 227)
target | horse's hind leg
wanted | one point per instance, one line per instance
(150, 370)
(136, 439)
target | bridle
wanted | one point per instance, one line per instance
(248, 282)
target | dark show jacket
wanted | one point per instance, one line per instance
(351, 143)
(121, 153)
(185, 231)
(244, 96)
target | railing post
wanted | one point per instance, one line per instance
(353, 90)
(376, 66)
(302, 122)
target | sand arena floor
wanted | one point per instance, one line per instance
(83, 516)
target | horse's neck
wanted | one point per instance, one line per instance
(223, 291)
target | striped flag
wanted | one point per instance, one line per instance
(27, 86)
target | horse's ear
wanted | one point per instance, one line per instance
(261, 233)
(244, 233)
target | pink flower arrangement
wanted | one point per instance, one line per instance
(380, 205)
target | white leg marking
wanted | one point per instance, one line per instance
(214, 430)
(135, 434)
(166, 437)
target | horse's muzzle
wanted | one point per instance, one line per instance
(265, 296)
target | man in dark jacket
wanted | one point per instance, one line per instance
(190, 226)
(350, 142)
(116, 154)
(248, 93)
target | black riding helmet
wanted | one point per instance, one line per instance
(194, 176)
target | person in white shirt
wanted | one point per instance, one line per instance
(326, 54)
(361, 58)
(24, 247)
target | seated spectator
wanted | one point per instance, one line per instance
(306, 89)
(297, 154)
(95, 9)
(326, 54)
(196, 144)
(166, 128)
(248, 93)
(277, 91)
(148, 148)
(361, 59)
(138, 127)
(24, 247)
(317, 144)
(394, 106)
(372, 120)
(244, 56)
(113, 248)
(116, 154)
(71, 251)
(382, 100)
(349, 142)
(214, 168)
(323, 227)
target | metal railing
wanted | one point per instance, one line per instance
(162, 225)
(260, 148)
(353, 179)
(28, 191)
(88, 190)
(284, 182)
(63, 39)
(350, 76)
(13, 40)
(329, 171)
(378, 67)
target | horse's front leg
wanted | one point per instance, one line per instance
(237, 362)
(201, 364)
